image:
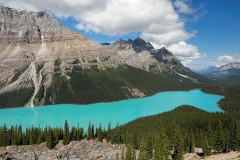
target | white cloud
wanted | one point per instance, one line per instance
(218, 62)
(225, 58)
(185, 52)
(60, 8)
(182, 7)
(157, 21)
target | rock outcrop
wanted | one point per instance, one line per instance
(20, 26)
(76, 150)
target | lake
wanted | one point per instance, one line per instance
(115, 112)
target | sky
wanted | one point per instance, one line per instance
(201, 33)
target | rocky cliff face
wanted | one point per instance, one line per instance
(19, 26)
(34, 47)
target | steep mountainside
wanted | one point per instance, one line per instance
(40, 58)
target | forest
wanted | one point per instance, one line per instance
(161, 136)
(84, 86)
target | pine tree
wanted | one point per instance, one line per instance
(19, 140)
(128, 154)
(177, 143)
(192, 143)
(4, 137)
(209, 134)
(109, 132)
(66, 135)
(237, 136)
(50, 140)
(116, 135)
(40, 138)
(219, 137)
(13, 133)
(100, 133)
(149, 147)
(57, 134)
(142, 150)
(205, 145)
(79, 133)
(161, 145)
(73, 134)
(90, 134)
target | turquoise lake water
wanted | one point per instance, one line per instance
(115, 112)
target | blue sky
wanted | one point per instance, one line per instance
(201, 33)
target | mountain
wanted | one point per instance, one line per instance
(143, 55)
(229, 72)
(42, 62)
(207, 70)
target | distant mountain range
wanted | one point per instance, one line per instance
(42, 62)
(229, 72)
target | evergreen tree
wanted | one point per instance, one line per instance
(219, 137)
(128, 154)
(40, 138)
(66, 135)
(57, 134)
(161, 145)
(116, 136)
(50, 140)
(205, 146)
(4, 137)
(149, 147)
(13, 134)
(79, 133)
(109, 132)
(19, 140)
(209, 134)
(143, 152)
(177, 143)
(237, 136)
(90, 133)
(192, 143)
(73, 134)
(100, 133)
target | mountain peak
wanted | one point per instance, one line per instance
(140, 45)
(20, 26)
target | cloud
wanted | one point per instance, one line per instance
(218, 62)
(182, 7)
(185, 52)
(60, 8)
(225, 58)
(156, 20)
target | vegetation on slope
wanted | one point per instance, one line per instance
(218, 132)
(84, 86)
(15, 98)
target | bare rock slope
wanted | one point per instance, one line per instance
(76, 150)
